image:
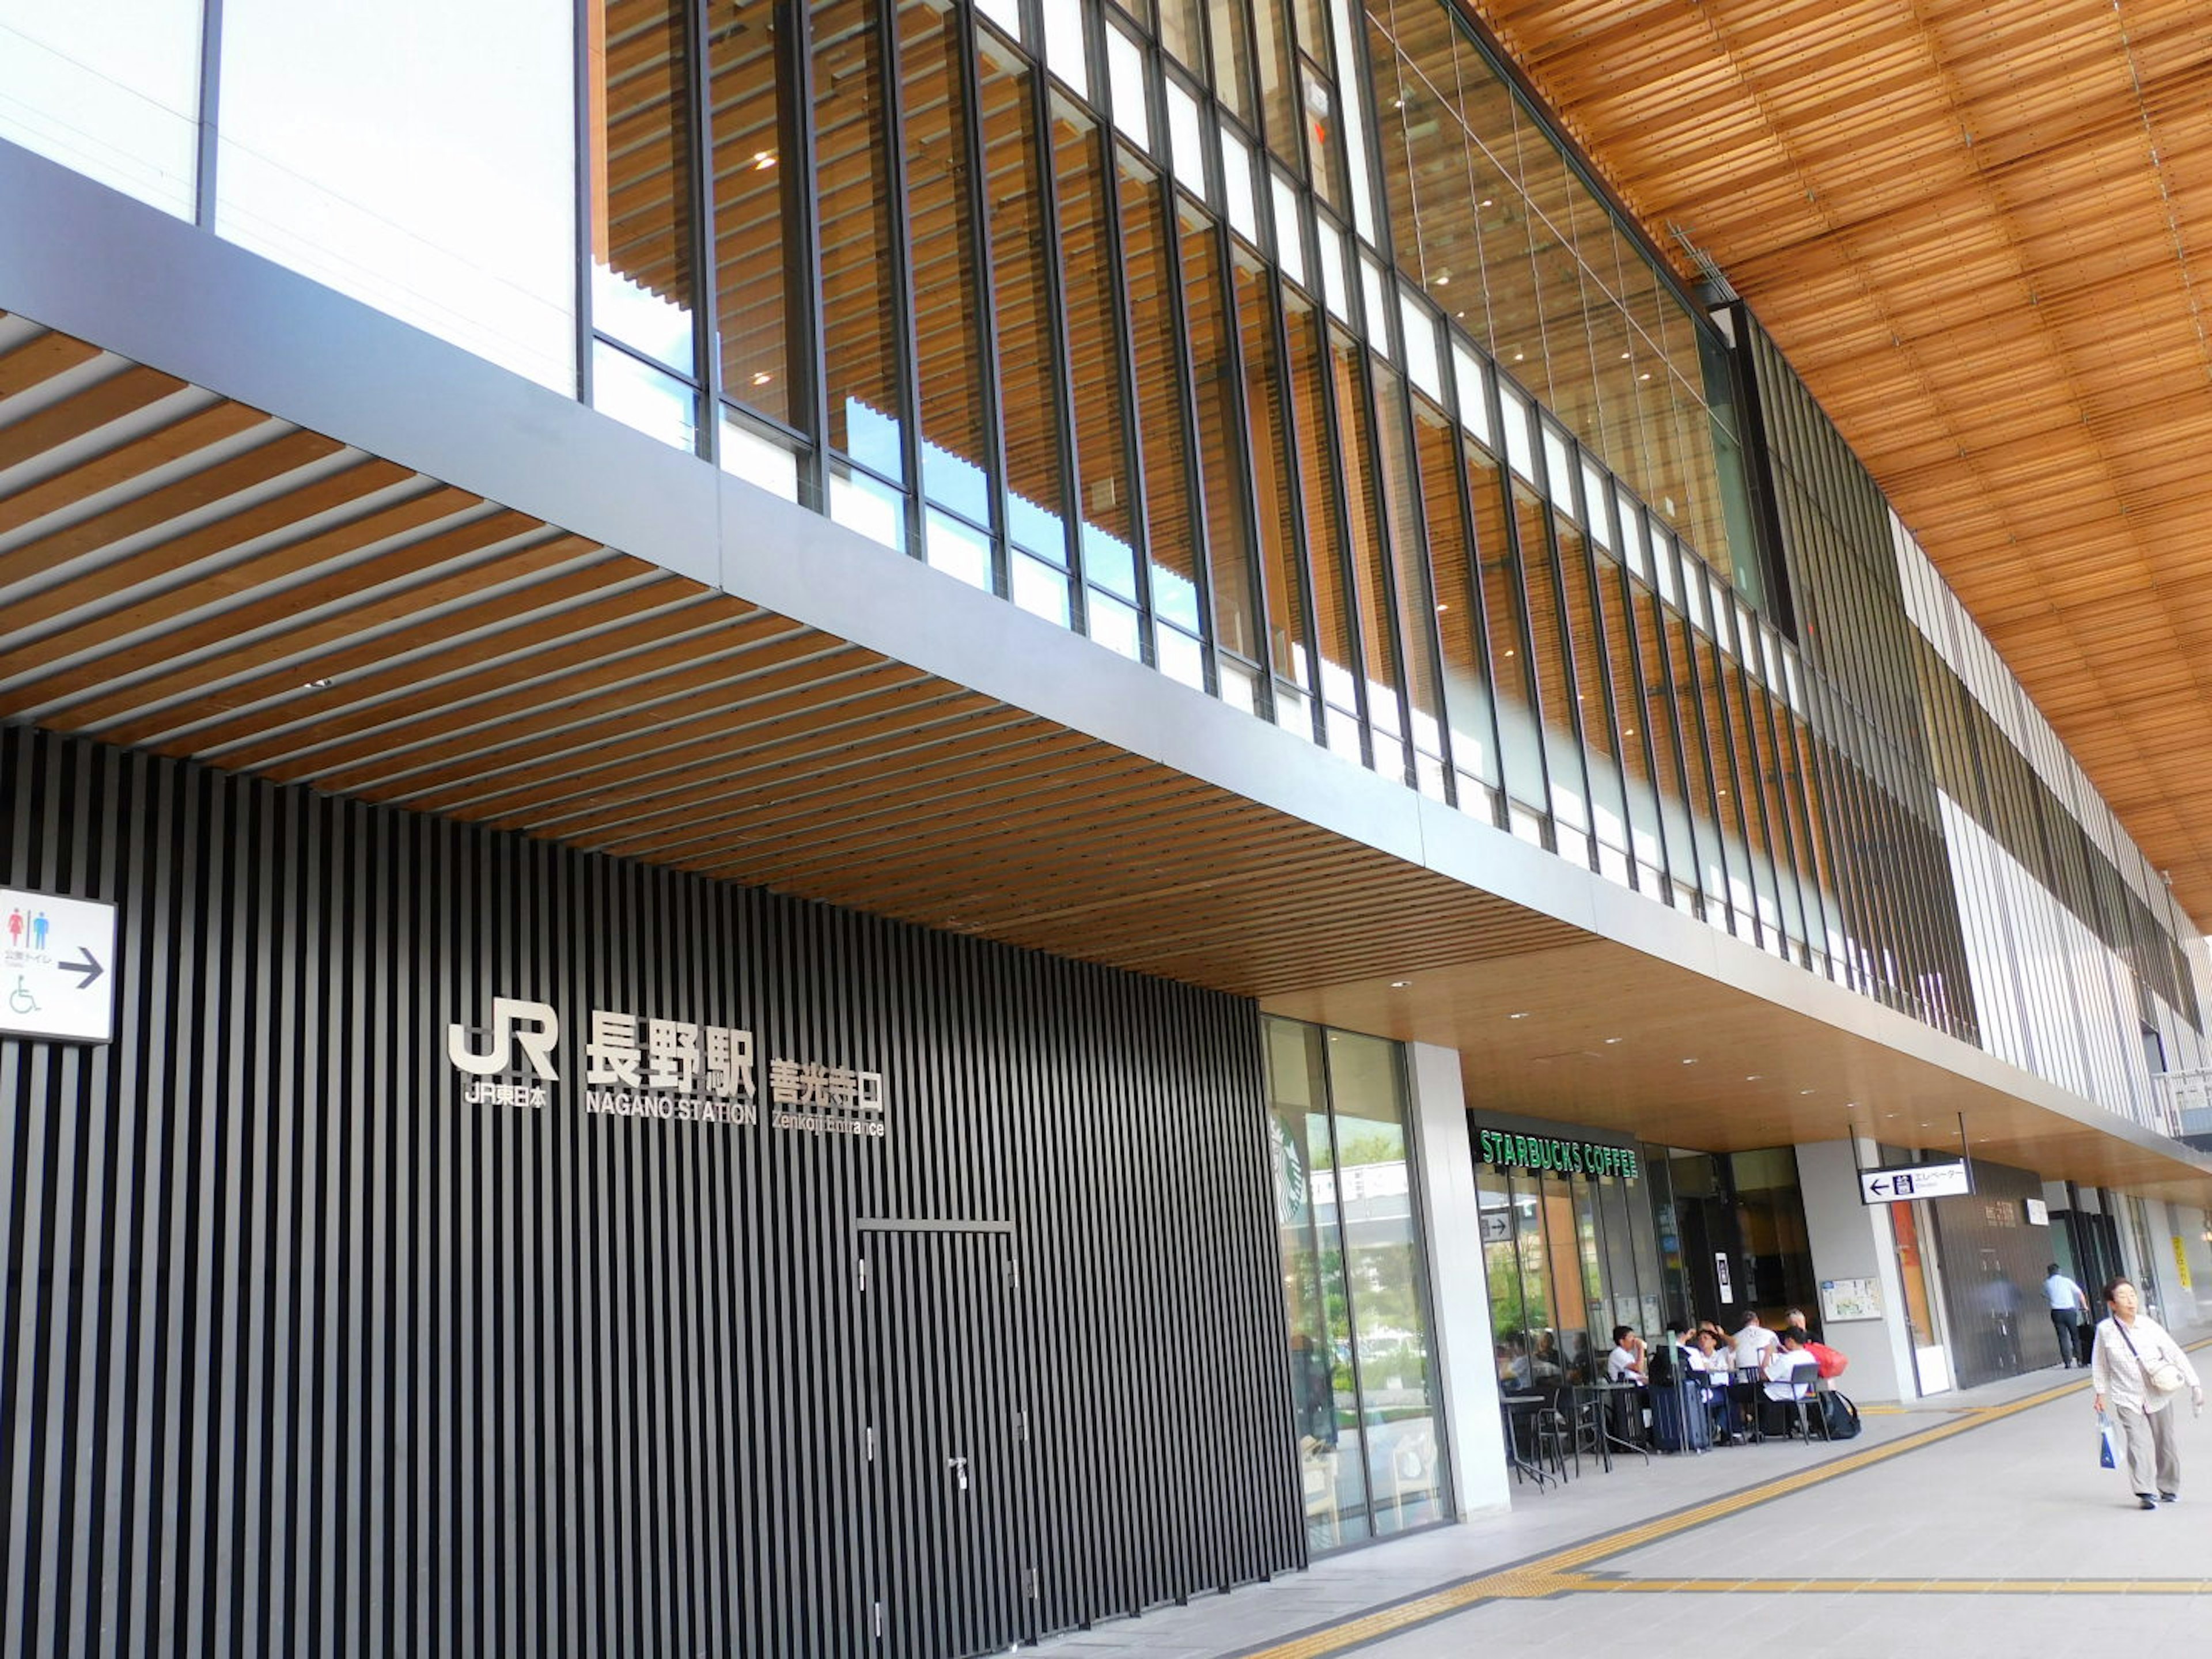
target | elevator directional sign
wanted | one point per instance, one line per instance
(1905, 1182)
(55, 957)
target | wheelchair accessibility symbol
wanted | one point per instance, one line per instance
(57, 966)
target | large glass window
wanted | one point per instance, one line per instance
(1518, 249)
(757, 283)
(1569, 1256)
(860, 303)
(1214, 379)
(111, 90)
(1171, 539)
(1362, 1382)
(952, 368)
(459, 216)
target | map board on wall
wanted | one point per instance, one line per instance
(1842, 1300)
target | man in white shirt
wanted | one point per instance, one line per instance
(1790, 1371)
(2069, 1302)
(1752, 1344)
(1625, 1363)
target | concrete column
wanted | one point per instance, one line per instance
(1851, 1240)
(1466, 1377)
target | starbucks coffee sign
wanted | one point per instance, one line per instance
(1503, 1150)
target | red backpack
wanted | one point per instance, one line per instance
(1831, 1363)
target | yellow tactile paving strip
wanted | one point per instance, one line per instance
(1563, 1572)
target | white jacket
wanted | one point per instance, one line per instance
(2119, 1375)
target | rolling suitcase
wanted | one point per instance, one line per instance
(1679, 1422)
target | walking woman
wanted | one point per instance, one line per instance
(2143, 1369)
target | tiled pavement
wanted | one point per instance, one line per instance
(1986, 1531)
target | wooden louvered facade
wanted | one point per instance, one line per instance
(1979, 232)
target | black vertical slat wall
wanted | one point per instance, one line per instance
(301, 1353)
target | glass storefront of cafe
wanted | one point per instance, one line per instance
(1569, 1246)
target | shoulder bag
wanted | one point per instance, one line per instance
(2161, 1378)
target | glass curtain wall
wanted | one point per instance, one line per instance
(1363, 1384)
(1275, 345)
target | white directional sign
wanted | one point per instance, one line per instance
(1911, 1181)
(55, 955)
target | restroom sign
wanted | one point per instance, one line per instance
(55, 955)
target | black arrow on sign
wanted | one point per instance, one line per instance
(89, 968)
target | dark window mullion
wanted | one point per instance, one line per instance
(893, 59)
(1609, 680)
(586, 143)
(1331, 434)
(801, 266)
(1658, 678)
(1238, 434)
(1508, 559)
(814, 472)
(987, 289)
(1408, 634)
(1063, 367)
(207, 153)
(1486, 653)
(1163, 196)
(706, 316)
(1132, 448)
(1294, 488)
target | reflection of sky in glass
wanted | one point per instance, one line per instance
(871, 438)
(953, 483)
(111, 90)
(638, 395)
(646, 322)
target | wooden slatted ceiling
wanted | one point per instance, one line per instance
(194, 577)
(1981, 232)
(189, 575)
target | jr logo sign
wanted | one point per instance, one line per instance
(532, 1027)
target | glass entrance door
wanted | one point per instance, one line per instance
(1932, 1367)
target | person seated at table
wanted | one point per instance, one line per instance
(1790, 1371)
(1544, 1367)
(1754, 1342)
(1626, 1363)
(1708, 1359)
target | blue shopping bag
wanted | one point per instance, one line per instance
(2108, 1443)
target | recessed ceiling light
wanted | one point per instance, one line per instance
(1399, 984)
(1523, 1014)
(1690, 1062)
(763, 160)
(1613, 1039)
(1754, 1078)
(1804, 1091)
(316, 685)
